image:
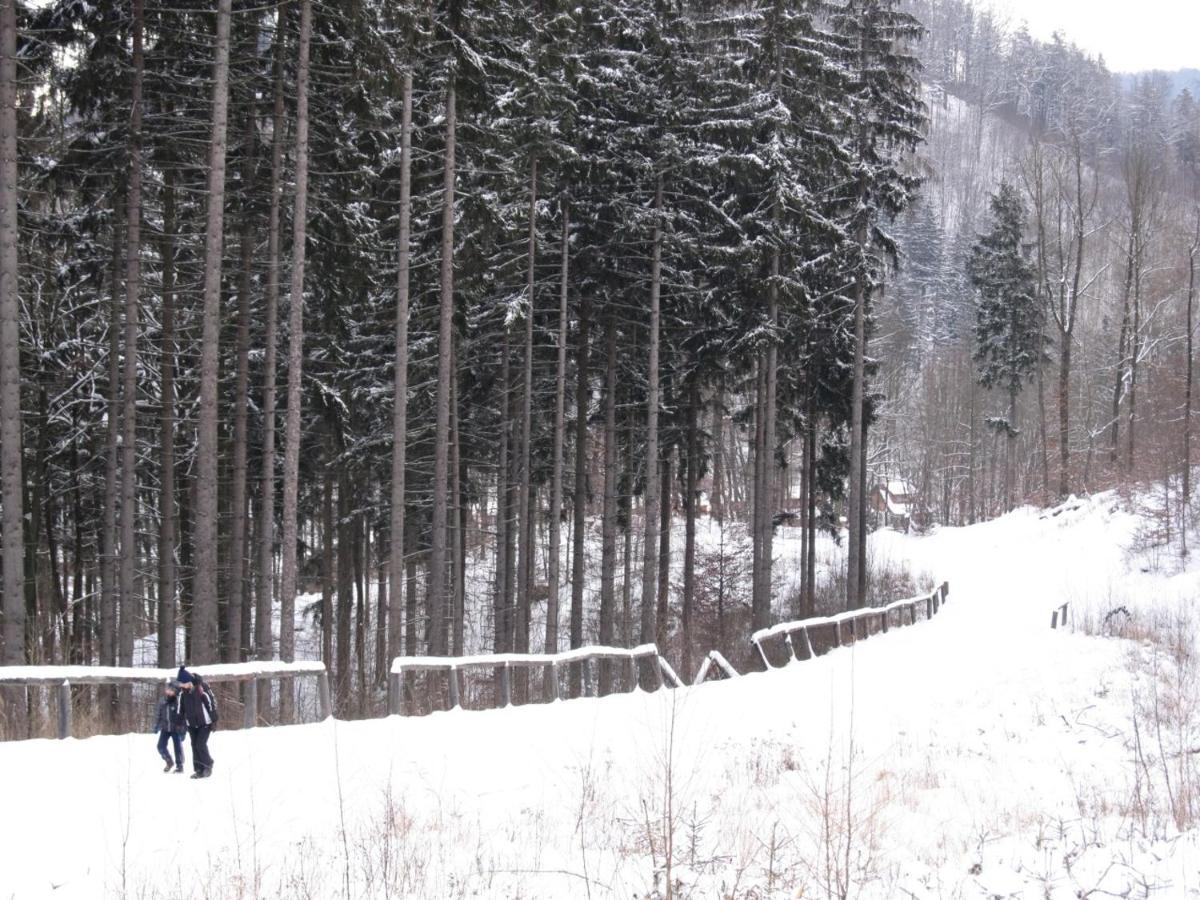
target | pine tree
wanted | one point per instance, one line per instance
(1009, 338)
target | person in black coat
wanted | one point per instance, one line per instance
(169, 726)
(198, 708)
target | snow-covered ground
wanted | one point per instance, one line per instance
(980, 754)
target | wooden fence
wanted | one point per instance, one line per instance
(250, 673)
(856, 620)
(503, 663)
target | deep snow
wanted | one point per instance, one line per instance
(979, 754)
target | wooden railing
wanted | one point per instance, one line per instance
(717, 664)
(250, 673)
(854, 619)
(503, 663)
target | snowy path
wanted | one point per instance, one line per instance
(959, 742)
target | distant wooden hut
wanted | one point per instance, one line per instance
(895, 504)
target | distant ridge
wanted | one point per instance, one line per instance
(1178, 78)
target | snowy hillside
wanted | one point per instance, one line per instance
(980, 754)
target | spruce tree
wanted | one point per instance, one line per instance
(1009, 339)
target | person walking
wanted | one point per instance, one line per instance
(168, 723)
(199, 710)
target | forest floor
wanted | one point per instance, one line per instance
(979, 754)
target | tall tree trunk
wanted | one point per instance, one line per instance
(1122, 357)
(109, 593)
(381, 613)
(236, 648)
(1189, 349)
(800, 604)
(133, 284)
(649, 560)
(608, 522)
(579, 501)
(810, 581)
(263, 637)
(291, 435)
(328, 526)
(1134, 352)
(12, 638)
(717, 495)
(556, 474)
(441, 447)
(458, 567)
(525, 499)
(204, 614)
(764, 498)
(502, 614)
(855, 550)
(167, 586)
(400, 402)
(662, 620)
(345, 590)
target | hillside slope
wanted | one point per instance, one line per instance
(978, 754)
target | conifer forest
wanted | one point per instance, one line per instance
(357, 329)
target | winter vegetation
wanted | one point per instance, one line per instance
(382, 343)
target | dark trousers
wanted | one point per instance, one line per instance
(176, 738)
(201, 759)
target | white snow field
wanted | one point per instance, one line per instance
(980, 754)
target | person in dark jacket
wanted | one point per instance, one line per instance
(199, 711)
(169, 726)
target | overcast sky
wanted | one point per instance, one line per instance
(1133, 35)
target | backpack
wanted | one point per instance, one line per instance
(212, 702)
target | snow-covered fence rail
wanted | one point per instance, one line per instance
(855, 619)
(505, 662)
(248, 672)
(715, 662)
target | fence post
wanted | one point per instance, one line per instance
(505, 687)
(326, 703)
(929, 607)
(1054, 619)
(837, 634)
(945, 590)
(787, 636)
(454, 698)
(64, 710)
(250, 714)
(883, 622)
(763, 654)
(554, 680)
(658, 670)
(808, 645)
(1064, 615)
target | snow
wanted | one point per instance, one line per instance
(848, 616)
(979, 754)
(401, 663)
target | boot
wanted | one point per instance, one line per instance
(170, 765)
